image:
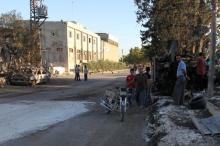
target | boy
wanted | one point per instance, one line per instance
(130, 83)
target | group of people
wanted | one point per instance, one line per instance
(77, 72)
(183, 77)
(138, 84)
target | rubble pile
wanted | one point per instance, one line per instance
(215, 100)
(171, 125)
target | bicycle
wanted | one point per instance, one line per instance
(115, 101)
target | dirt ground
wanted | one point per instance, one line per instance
(162, 124)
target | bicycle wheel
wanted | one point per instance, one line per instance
(107, 111)
(122, 111)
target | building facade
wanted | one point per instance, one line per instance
(109, 47)
(66, 44)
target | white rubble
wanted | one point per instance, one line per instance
(170, 125)
(21, 118)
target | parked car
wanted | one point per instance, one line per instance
(30, 76)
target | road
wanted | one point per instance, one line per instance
(67, 113)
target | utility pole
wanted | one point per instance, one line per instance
(211, 72)
(38, 15)
(122, 55)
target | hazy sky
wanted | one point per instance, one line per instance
(116, 17)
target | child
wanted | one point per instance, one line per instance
(130, 83)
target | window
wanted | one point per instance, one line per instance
(84, 38)
(93, 41)
(48, 49)
(89, 40)
(71, 50)
(90, 55)
(70, 34)
(53, 33)
(77, 36)
(59, 49)
(78, 54)
(85, 55)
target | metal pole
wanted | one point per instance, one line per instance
(211, 72)
(122, 55)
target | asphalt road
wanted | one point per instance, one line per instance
(93, 128)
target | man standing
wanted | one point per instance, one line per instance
(86, 71)
(149, 82)
(178, 93)
(78, 74)
(75, 70)
(200, 71)
(141, 86)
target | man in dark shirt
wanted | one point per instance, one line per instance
(141, 86)
(147, 100)
(200, 71)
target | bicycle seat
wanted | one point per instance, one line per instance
(123, 91)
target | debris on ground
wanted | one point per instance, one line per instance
(171, 125)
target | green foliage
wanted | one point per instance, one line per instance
(167, 20)
(105, 65)
(135, 56)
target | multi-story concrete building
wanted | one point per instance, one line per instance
(66, 44)
(109, 49)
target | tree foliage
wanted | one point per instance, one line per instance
(135, 56)
(185, 21)
(13, 39)
(105, 65)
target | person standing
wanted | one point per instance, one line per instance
(141, 86)
(179, 88)
(78, 73)
(147, 69)
(86, 71)
(130, 84)
(201, 71)
(148, 90)
(75, 70)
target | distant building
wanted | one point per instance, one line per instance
(109, 48)
(66, 44)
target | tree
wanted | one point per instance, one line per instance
(135, 56)
(13, 39)
(164, 21)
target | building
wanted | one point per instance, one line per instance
(65, 44)
(109, 48)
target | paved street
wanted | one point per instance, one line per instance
(66, 113)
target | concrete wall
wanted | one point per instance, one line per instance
(68, 43)
(109, 49)
(54, 43)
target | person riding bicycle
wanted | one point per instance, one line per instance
(130, 84)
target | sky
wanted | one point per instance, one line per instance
(116, 17)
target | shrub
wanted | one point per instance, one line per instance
(105, 65)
